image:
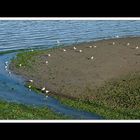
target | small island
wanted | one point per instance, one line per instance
(101, 77)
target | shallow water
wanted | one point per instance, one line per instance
(25, 34)
(12, 90)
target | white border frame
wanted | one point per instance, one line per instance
(68, 18)
(69, 121)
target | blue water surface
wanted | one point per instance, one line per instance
(19, 34)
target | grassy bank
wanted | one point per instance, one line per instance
(117, 99)
(14, 111)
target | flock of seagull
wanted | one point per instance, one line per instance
(43, 89)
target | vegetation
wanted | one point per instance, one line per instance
(24, 112)
(117, 99)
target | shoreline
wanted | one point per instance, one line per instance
(75, 75)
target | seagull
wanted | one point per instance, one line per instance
(29, 86)
(91, 57)
(5, 67)
(47, 96)
(31, 81)
(128, 44)
(95, 46)
(20, 65)
(49, 54)
(90, 46)
(6, 62)
(47, 91)
(74, 48)
(64, 50)
(9, 72)
(117, 36)
(43, 89)
(80, 50)
(58, 42)
(137, 47)
(46, 62)
(32, 50)
(113, 43)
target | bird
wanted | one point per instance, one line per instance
(31, 81)
(95, 46)
(74, 48)
(128, 44)
(9, 72)
(43, 89)
(6, 62)
(47, 62)
(113, 43)
(91, 57)
(80, 50)
(58, 42)
(47, 96)
(20, 65)
(49, 54)
(29, 86)
(47, 91)
(117, 36)
(32, 50)
(5, 67)
(137, 47)
(64, 50)
(90, 46)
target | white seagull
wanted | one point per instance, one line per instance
(80, 50)
(5, 67)
(47, 62)
(43, 89)
(9, 72)
(95, 46)
(31, 81)
(47, 91)
(137, 47)
(6, 62)
(90, 46)
(64, 50)
(91, 57)
(128, 44)
(20, 65)
(74, 48)
(49, 54)
(113, 43)
(58, 42)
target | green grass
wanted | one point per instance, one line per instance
(15, 111)
(26, 57)
(119, 99)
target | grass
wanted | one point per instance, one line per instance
(14, 111)
(117, 99)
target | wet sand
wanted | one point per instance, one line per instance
(72, 73)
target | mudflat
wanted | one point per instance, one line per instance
(74, 70)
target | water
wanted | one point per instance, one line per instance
(37, 34)
(12, 90)
(25, 34)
